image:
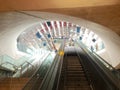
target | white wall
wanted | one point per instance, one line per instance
(13, 23)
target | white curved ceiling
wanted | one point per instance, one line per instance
(13, 23)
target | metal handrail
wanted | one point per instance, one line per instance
(48, 73)
(34, 74)
(8, 63)
(100, 58)
(50, 77)
(27, 63)
(12, 71)
(15, 67)
(86, 72)
(22, 67)
(107, 71)
(58, 74)
(110, 67)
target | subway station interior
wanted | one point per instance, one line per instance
(60, 45)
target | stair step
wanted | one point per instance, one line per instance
(73, 75)
(76, 78)
(74, 64)
(75, 71)
(77, 88)
(74, 68)
(77, 84)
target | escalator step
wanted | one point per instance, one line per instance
(78, 89)
(85, 83)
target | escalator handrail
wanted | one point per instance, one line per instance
(26, 62)
(22, 67)
(108, 73)
(47, 74)
(86, 71)
(33, 75)
(59, 73)
(101, 59)
(46, 83)
(109, 66)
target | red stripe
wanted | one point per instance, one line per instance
(42, 31)
(60, 24)
(51, 27)
(45, 25)
(65, 24)
(55, 24)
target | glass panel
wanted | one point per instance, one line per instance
(100, 60)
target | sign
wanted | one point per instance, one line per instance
(38, 35)
(49, 36)
(80, 38)
(44, 44)
(61, 53)
(78, 29)
(48, 23)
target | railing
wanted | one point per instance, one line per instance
(13, 63)
(103, 71)
(39, 74)
(51, 79)
(57, 79)
(101, 60)
(13, 66)
(23, 68)
(87, 73)
(5, 73)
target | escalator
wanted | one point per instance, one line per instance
(73, 76)
(77, 69)
(37, 77)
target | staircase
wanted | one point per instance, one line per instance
(73, 76)
(13, 83)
